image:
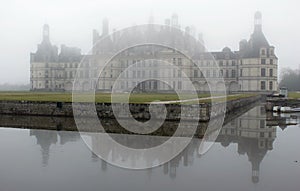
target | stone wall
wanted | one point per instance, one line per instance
(271, 102)
(104, 110)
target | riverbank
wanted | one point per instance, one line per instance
(109, 125)
(104, 110)
(282, 102)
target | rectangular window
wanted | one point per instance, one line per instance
(263, 85)
(220, 63)
(174, 61)
(262, 134)
(271, 72)
(233, 63)
(134, 74)
(227, 75)
(271, 61)
(179, 61)
(179, 85)
(201, 74)
(241, 72)
(233, 73)
(263, 72)
(179, 73)
(271, 85)
(207, 73)
(155, 74)
(262, 123)
(155, 85)
(214, 73)
(196, 73)
(138, 74)
(263, 61)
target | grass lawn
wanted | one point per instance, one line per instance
(104, 97)
(294, 95)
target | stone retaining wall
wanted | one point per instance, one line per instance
(270, 103)
(104, 110)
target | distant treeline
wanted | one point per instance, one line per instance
(14, 87)
(290, 78)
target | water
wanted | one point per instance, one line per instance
(249, 155)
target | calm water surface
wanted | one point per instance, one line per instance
(250, 154)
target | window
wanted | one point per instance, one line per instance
(263, 52)
(227, 75)
(201, 74)
(179, 85)
(263, 61)
(263, 72)
(271, 72)
(207, 73)
(155, 73)
(233, 73)
(214, 73)
(233, 63)
(263, 85)
(220, 63)
(241, 72)
(262, 134)
(179, 61)
(262, 123)
(195, 73)
(271, 61)
(271, 52)
(155, 85)
(221, 73)
(174, 61)
(179, 73)
(271, 85)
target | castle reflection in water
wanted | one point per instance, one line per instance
(249, 131)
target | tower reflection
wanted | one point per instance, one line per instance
(248, 131)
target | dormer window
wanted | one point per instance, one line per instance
(263, 52)
(271, 52)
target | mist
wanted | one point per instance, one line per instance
(223, 23)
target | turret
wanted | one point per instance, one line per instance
(105, 27)
(46, 35)
(258, 22)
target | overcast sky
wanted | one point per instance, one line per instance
(222, 22)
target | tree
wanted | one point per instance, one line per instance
(290, 79)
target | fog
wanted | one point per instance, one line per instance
(222, 22)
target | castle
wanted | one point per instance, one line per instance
(253, 68)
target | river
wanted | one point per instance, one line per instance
(252, 152)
